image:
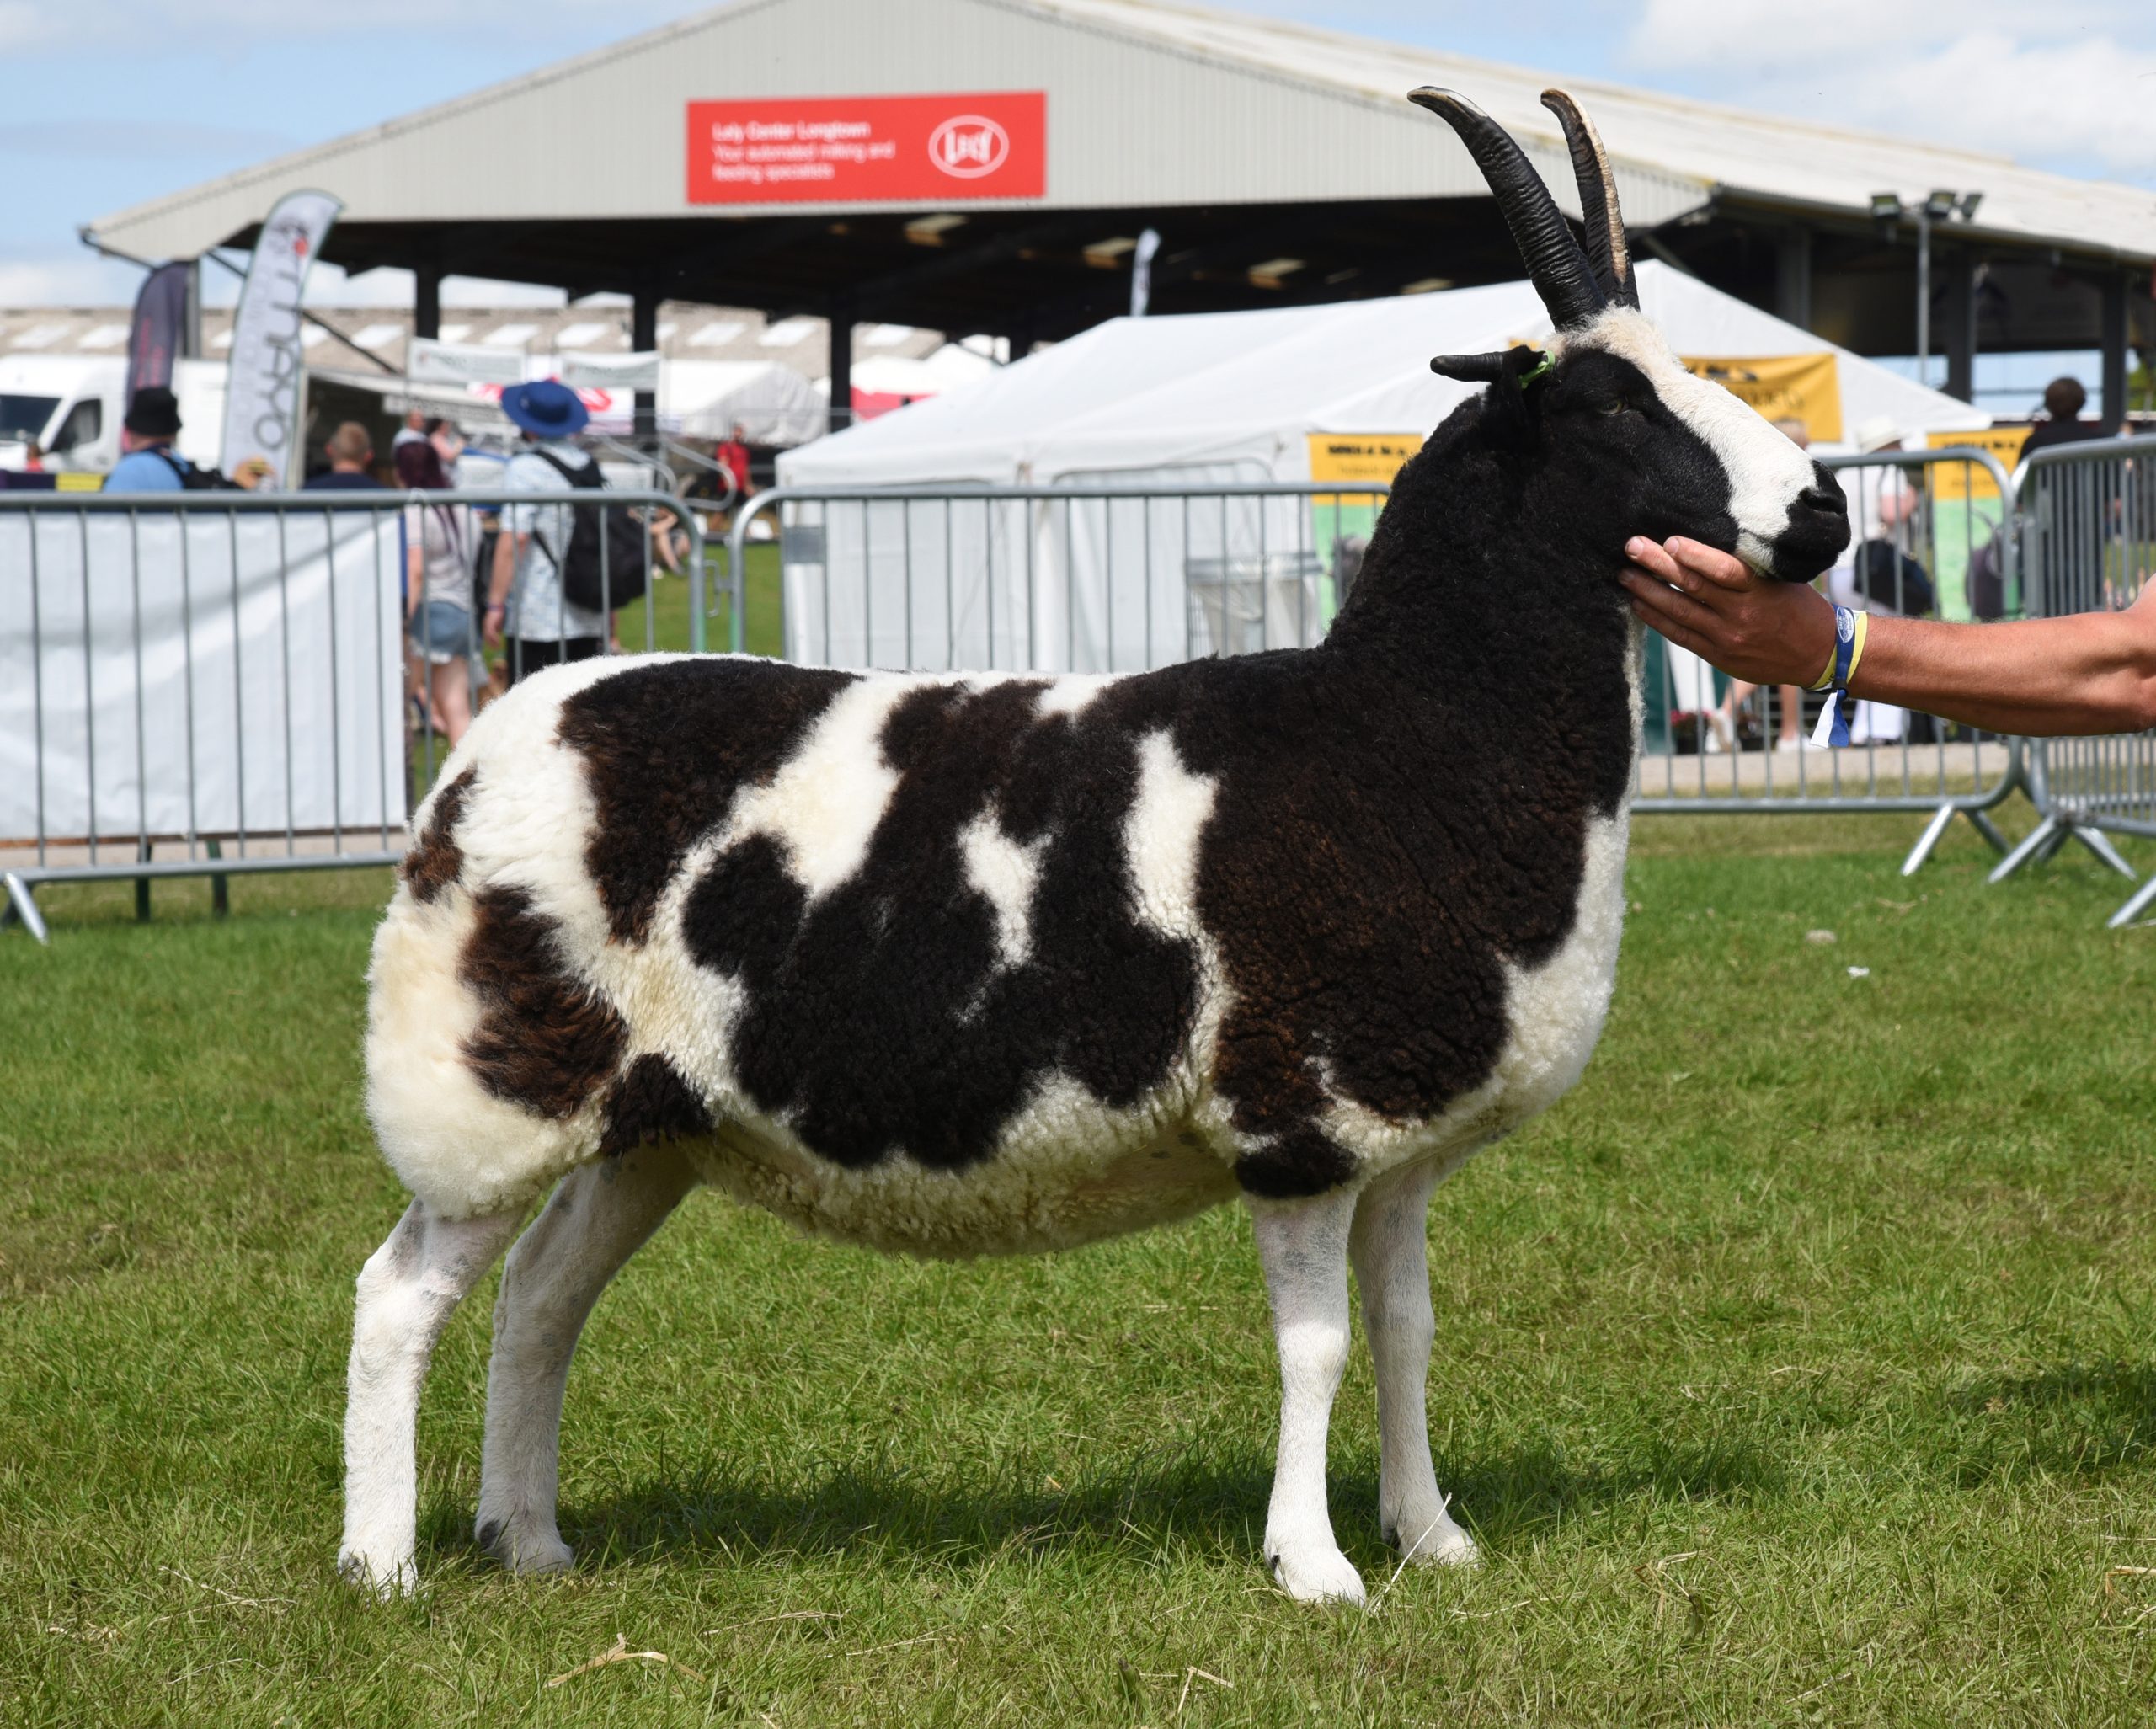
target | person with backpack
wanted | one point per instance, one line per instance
(146, 434)
(561, 570)
(151, 465)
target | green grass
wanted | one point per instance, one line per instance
(1797, 1369)
(669, 602)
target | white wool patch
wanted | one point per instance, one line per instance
(1073, 690)
(1766, 470)
(823, 805)
(1160, 837)
(1004, 874)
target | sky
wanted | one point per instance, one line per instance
(111, 102)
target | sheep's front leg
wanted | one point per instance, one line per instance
(407, 1290)
(597, 1218)
(1304, 1246)
(1392, 1270)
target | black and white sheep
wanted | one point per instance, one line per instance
(989, 964)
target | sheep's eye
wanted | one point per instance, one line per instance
(1615, 405)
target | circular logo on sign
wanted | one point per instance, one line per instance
(969, 146)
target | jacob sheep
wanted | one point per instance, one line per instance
(962, 965)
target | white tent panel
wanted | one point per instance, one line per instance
(1191, 402)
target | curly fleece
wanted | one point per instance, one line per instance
(965, 964)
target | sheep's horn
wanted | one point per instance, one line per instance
(1554, 263)
(1604, 221)
(1471, 368)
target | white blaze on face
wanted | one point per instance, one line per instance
(1766, 470)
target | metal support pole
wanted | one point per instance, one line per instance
(643, 337)
(1924, 296)
(220, 887)
(143, 883)
(1961, 328)
(1793, 276)
(841, 323)
(426, 302)
(2136, 903)
(2115, 356)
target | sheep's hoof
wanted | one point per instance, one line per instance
(1432, 1543)
(1315, 1575)
(524, 1547)
(382, 1580)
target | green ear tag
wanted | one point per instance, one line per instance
(1541, 370)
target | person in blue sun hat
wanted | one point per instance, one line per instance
(527, 613)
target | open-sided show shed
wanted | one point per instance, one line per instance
(988, 166)
(1315, 393)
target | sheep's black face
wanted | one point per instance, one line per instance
(1631, 442)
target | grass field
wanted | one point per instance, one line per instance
(1798, 1369)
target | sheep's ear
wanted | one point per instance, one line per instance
(1471, 368)
(1514, 406)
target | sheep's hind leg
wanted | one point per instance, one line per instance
(407, 1290)
(1389, 1247)
(1304, 1246)
(597, 1218)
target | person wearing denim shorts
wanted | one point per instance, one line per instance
(442, 542)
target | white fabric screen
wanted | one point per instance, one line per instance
(240, 675)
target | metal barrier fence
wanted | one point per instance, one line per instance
(221, 675)
(213, 683)
(1931, 534)
(1056, 578)
(2088, 533)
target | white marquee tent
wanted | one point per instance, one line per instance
(1308, 393)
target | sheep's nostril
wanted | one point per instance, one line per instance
(1820, 498)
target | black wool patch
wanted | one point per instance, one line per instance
(545, 1040)
(665, 748)
(882, 1016)
(435, 860)
(650, 1102)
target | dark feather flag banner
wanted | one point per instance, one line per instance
(153, 338)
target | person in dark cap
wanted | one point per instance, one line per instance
(150, 464)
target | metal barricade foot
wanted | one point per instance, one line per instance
(2045, 833)
(2098, 842)
(1929, 838)
(2136, 903)
(1989, 830)
(23, 905)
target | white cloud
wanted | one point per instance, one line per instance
(2072, 84)
(139, 27)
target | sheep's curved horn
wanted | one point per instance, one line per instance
(1604, 221)
(1471, 368)
(1554, 263)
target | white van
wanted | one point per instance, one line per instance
(70, 406)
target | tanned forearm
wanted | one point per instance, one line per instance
(2092, 673)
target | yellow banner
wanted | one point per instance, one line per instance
(1965, 480)
(1358, 455)
(69, 480)
(1806, 387)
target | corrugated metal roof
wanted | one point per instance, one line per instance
(685, 331)
(1149, 104)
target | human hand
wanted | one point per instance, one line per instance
(1752, 628)
(491, 626)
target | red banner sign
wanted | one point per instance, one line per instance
(838, 149)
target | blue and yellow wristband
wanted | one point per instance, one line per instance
(1850, 628)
